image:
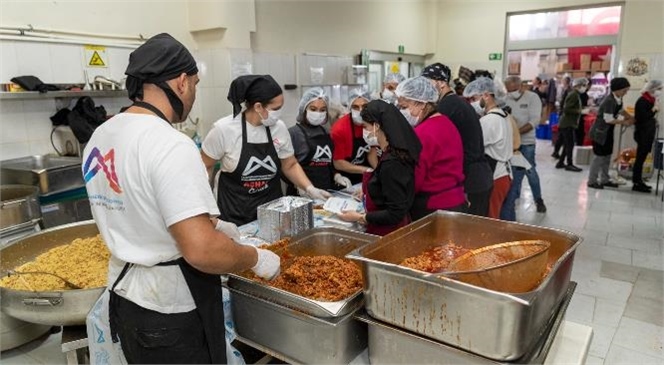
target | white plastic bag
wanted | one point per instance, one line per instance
(102, 349)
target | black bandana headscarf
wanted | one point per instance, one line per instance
(437, 71)
(252, 88)
(159, 59)
(395, 126)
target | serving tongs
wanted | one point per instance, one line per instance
(67, 282)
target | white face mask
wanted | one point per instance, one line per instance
(316, 118)
(389, 95)
(357, 118)
(478, 109)
(272, 117)
(658, 93)
(583, 90)
(370, 138)
(413, 121)
(515, 94)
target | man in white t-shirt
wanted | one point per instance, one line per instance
(497, 133)
(154, 208)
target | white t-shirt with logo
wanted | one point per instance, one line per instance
(143, 176)
(224, 141)
(497, 133)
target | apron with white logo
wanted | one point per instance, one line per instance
(255, 181)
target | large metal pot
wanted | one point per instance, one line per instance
(55, 308)
(19, 207)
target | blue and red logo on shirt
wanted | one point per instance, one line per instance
(105, 163)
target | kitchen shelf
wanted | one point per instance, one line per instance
(569, 71)
(26, 95)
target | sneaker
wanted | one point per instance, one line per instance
(596, 186)
(560, 165)
(610, 184)
(541, 208)
(555, 155)
(573, 168)
(643, 188)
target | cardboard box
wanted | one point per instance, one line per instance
(585, 62)
(606, 65)
(514, 68)
(568, 66)
(596, 65)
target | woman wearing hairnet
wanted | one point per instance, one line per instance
(352, 156)
(645, 126)
(390, 83)
(498, 140)
(439, 174)
(312, 143)
(390, 189)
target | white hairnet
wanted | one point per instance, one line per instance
(309, 96)
(357, 93)
(580, 81)
(394, 77)
(479, 86)
(418, 88)
(652, 85)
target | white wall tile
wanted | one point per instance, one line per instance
(205, 67)
(12, 123)
(118, 59)
(66, 63)
(221, 64)
(8, 62)
(34, 59)
(41, 147)
(13, 150)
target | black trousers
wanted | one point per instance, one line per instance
(580, 131)
(479, 203)
(567, 135)
(642, 151)
(149, 337)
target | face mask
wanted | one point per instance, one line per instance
(583, 90)
(515, 94)
(316, 118)
(389, 96)
(409, 117)
(357, 118)
(478, 109)
(272, 117)
(370, 138)
(658, 93)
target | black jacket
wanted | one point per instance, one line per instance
(646, 124)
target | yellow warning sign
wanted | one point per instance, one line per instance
(96, 60)
(95, 56)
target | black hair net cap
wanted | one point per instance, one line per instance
(159, 59)
(252, 88)
(437, 71)
(395, 126)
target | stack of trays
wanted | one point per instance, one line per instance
(497, 326)
(294, 328)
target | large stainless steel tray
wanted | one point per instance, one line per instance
(391, 345)
(296, 337)
(51, 174)
(19, 207)
(54, 308)
(318, 241)
(500, 326)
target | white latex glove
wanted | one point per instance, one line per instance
(342, 180)
(229, 229)
(316, 193)
(268, 264)
(621, 117)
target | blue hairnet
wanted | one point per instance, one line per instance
(580, 81)
(309, 96)
(652, 85)
(418, 88)
(394, 77)
(479, 86)
(357, 93)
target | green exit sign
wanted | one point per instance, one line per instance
(402, 49)
(495, 56)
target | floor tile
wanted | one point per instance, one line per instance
(648, 260)
(46, 350)
(602, 337)
(645, 310)
(581, 308)
(16, 357)
(615, 271)
(651, 246)
(615, 290)
(607, 312)
(650, 288)
(640, 336)
(619, 355)
(606, 253)
(594, 360)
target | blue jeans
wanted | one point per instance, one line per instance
(508, 211)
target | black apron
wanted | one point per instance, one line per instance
(359, 154)
(255, 181)
(205, 290)
(318, 163)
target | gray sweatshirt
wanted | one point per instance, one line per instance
(526, 109)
